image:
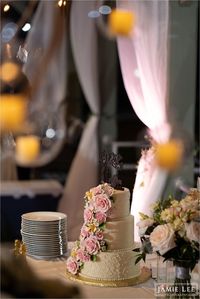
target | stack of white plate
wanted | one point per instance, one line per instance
(44, 234)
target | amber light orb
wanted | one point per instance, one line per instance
(121, 22)
(169, 155)
(13, 110)
(27, 149)
(9, 71)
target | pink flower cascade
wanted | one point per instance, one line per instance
(98, 202)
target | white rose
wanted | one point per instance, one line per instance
(143, 225)
(162, 238)
(193, 231)
(142, 231)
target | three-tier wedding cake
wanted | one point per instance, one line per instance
(104, 251)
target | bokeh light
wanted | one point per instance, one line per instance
(8, 32)
(94, 14)
(105, 9)
(169, 155)
(50, 133)
(27, 149)
(6, 7)
(121, 22)
(9, 71)
(13, 110)
(26, 27)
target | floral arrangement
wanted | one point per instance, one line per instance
(98, 202)
(173, 230)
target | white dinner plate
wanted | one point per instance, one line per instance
(44, 216)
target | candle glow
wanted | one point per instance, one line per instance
(12, 112)
(9, 71)
(121, 22)
(27, 149)
(169, 155)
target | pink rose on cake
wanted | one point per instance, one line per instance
(84, 232)
(99, 235)
(108, 189)
(82, 255)
(72, 265)
(92, 245)
(96, 190)
(100, 217)
(102, 203)
(88, 215)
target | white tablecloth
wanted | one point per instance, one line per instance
(57, 269)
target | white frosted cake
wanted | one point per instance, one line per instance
(105, 247)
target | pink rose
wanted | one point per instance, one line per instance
(72, 265)
(99, 235)
(102, 203)
(84, 232)
(108, 189)
(92, 245)
(82, 255)
(96, 190)
(100, 217)
(88, 215)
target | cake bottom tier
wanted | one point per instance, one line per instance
(112, 265)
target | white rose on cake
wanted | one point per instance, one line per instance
(193, 231)
(162, 238)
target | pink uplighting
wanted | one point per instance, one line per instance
(146, 51)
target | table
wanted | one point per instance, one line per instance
(57, 269)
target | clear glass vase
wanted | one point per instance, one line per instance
(175, 280)
(179, 280)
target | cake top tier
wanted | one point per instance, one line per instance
(120, 204)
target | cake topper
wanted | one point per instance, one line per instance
(108, 160)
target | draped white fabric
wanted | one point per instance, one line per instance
(84, 170)
(52, 87)
(143, 58)
(46, 69)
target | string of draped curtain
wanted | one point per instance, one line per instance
(144, 61)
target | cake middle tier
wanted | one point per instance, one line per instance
(119, 233)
